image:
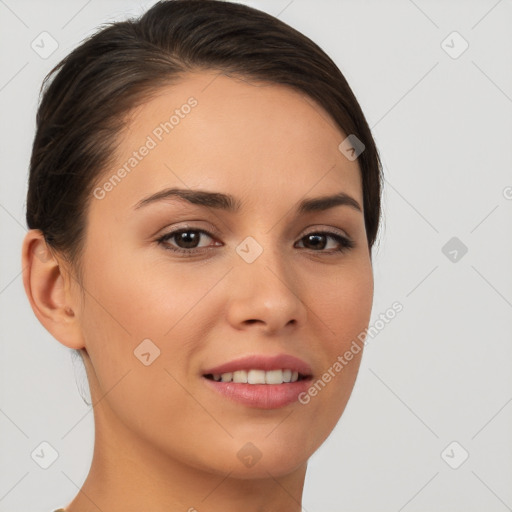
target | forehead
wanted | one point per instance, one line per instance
(254, 140)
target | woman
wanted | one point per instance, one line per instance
(203, 200)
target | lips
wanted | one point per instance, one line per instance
(264, 382)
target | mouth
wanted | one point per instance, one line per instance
(256, 376)
(260, 381)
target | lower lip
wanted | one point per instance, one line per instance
(262, 396)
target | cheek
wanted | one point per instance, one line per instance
(342, 301)
(342, 305)
(126, 305)
(131, 301)
(137, 299)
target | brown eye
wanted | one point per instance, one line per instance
(185, 240)
(317, 242)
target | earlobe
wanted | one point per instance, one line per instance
(48, 289)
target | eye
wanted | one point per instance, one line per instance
(318, 241)
(186, 240)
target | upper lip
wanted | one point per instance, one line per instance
(262, 362)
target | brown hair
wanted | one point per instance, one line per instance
(84, 107)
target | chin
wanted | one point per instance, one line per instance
(267, 454)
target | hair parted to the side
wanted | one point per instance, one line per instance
(87, 96)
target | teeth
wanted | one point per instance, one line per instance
(258, 376)
(239, 376)
(274, 377)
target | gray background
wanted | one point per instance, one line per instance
(437, 373)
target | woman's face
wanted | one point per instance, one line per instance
(249, 281)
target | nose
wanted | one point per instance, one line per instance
(265, 294)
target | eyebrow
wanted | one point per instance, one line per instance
(230, 204)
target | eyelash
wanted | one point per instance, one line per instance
(345, 243)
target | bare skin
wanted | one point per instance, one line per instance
(164, 441)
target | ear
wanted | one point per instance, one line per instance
(49, 288)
